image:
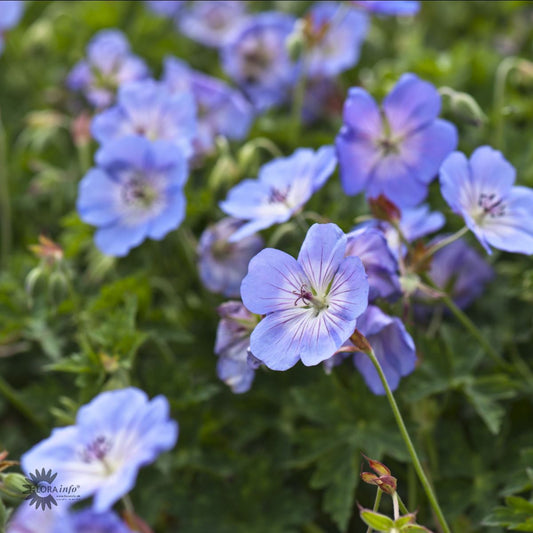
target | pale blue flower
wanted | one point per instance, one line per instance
(148, 109)
(134, 192)
(236, 366)
(222, 110)
(283, 186)
(311, 304)
(115, 434)
(256, 59)
(395, 149)
(481, 191)
(168, 8)
(109, 64)
(222, 264)
(403, 8)
(212, 23)
(460, 271)
(380, 264)
(337, 48)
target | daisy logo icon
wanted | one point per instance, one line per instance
(41, 491)
(38, 489)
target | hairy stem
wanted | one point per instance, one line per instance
(409, 444)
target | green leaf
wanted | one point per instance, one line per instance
(377, 521)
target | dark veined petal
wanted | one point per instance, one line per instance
(321, 254)
(512, 232)
(273, 282)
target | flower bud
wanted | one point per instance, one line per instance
(14, 484)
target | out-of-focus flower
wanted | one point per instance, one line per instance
(167, 8)
(397, 149)
(380, 265)
(213, 23)
(481, 191)
(109, 64)
(148, 109)
(284, 185)
(115, 434)
(221, 110)
(223, 264)
(334, 44)
(58, 520)
(10, 14)
(460, 270)
(135, 192)
(414, 223)
(311, 304)
(324, 98)
(257, 60)
(405, 8)
(392, 345)
(235, 367)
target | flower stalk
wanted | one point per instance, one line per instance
(409, 444)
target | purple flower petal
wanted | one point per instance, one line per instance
(412, 104)
(273, 282)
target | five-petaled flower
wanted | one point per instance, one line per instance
(284, 185)
(136, 191)
(397, 149)
(115, 434)
(311, 304)
(481, 191)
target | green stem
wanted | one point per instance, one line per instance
(128, 504)
(442, 243)
(13, 398)
(298, 97)
(409, 444)
(5, 204)
(469, 326)
(403, 507)
(377, 501)
(268, 145)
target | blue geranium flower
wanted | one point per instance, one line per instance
(58, 520)
(213, 23)
(311, 304)
(135, 192)
(459, 270)
(396, 150)
(481, 191)
(222, 110)
(380, 264)
(168, 8)
(109, 64)
(257, 60)
(115, 434)
(222, 264)
(392, 345)
(337, 41)
(284, 186)
(236, 366)
(404, 8)
(148, 109)
(10, 14)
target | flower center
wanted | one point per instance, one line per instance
(319, 303)
(96, 450)
(387, 146)
(489, 205)
(137, 192)
(255, 62)
(277, 196)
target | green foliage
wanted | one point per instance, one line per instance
(286, 456)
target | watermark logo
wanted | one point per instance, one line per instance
(41, 491)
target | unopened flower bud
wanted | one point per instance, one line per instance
(383, 209)
(14, 484)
